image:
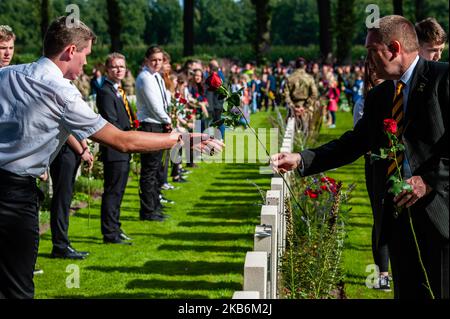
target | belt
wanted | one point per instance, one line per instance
(7, 176)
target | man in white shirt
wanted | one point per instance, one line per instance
(39, 109)
(152, 102)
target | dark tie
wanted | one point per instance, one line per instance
(162, 87)
(127, 106)
(397, 115)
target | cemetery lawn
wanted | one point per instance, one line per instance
(198, 252)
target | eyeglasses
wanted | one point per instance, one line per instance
(118, 67)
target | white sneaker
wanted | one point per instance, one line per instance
(167, 186)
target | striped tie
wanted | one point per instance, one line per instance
(397, 115)
(127, 106)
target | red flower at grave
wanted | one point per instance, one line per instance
(183, 100)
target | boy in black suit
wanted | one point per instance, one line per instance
(113, 105)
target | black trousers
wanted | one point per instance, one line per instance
(406, 271)
(19, 235)
(114, 184)
(151, 171)
(380, 252)
(62, 171)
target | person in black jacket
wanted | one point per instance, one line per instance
(114, 106)
(393, 49)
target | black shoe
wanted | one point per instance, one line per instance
(116, 241)
(124, 236)
(155, 218)
(85, 253)
(179, 180)
(68, 253)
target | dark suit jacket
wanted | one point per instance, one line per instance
(111, 107)
(425, 138)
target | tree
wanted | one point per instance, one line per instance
(188, 31)
(420, 10)
(398, 7)
(262, 41)
(115, 23)
(325, 40)
(45, 16)
(345, 30)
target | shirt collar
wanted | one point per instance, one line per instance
(51, 66)
(407, 76)
(114, 84)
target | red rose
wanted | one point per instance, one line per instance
(390, 126)
(214, 81)
(328, 180)
(196, 95)
(136, 123)
(177, 95)
(183, 100)
(311, 194)
(324, 187)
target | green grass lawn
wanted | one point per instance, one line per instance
(357, 253)
(198, 252)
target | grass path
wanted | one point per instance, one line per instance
(198, 252)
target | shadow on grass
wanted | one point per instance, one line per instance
(203, 236)
(184, 285)
(225, 223)
(203, 248)
(177, 268)
(142, 295)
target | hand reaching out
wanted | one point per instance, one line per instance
(283, 162)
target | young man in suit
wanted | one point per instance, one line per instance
(393, 49)
(114, 107)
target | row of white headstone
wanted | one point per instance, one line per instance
(261, 275)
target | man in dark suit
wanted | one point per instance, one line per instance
(393, 50)
(113, 105)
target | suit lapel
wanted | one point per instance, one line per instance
(415, 96)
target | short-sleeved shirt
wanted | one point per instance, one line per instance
(39, 109)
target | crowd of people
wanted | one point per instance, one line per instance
(168, 100)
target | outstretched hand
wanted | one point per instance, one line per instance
(283, 162)
(202, 143)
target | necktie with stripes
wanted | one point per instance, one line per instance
(127, 106)
(398, 116)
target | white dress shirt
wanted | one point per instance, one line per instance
(39, 109)
(152, 99)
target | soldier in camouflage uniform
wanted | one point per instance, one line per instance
(83, 85)
(128, 83)
(301, 95)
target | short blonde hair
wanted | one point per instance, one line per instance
(6, 33)
(112, 56)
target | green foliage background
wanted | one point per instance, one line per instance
(222, 27)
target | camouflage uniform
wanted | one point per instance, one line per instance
(128, 84)
(83, 85)
(301, 94)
